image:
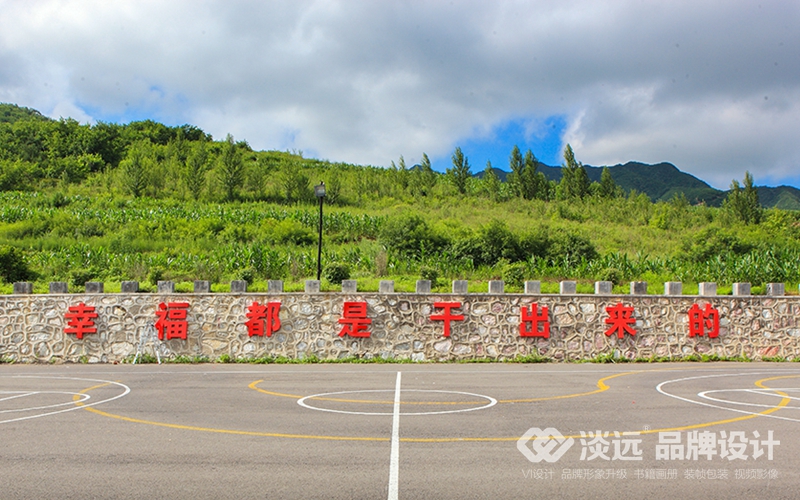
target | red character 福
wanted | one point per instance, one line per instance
(171, 322)
(263, 319)
(354, 320)
(702, 321)
(81, 320)
(531, 319)
(447, 315)
(620, 318)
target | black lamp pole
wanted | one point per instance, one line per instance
(319, 192)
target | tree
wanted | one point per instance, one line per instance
(135, 168)
(490, 182)
(459, 175)
(517, 166)
(608, 188)
(195, 170)
(574, 181)
(427, 177)
(529, 180)
(743, 204)
(231, 169)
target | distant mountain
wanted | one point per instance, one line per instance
(664, 180)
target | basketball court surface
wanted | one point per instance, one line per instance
(688, 430)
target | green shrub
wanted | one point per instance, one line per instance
(13, 266)
(514, 274)
(410, 235)
(337, 272)
(429, 273)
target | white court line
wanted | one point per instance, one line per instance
(76, 407)
(394, 460)
(660, 388)
(20, 395)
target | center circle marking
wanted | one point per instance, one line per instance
(304, 402)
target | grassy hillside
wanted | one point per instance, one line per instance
(147, 202)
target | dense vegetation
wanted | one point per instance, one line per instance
(145, 202)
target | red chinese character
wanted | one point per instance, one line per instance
(172, 320)
(354, 318)
(703, 321)
(263, 319)
(81, 320)
(530, 321)
(447, 315)
(620, 318)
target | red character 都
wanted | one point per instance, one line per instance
(80, 320)
(531, 320)
(447, 315)
(620, 318)
(702, 321)
(263, 319)
(171, 322)
(354, 320)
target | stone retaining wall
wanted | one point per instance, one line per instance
(402, 325)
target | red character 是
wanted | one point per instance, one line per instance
(620, 318)
(81, 320)
(447, 315)
(263, 319)
(172, 320)
(530, 319)
(702, 321)
(354, 320)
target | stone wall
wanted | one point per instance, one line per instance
(32, 327)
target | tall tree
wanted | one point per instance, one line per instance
(491, 183)
(529, 180)
(459, 175)
(744, 204)
(517, 166)
(231, 169)
(195, 170)
(608, 188)
(574, 181)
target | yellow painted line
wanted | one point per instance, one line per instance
(254, 386)
(601, 387)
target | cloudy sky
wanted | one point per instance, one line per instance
(713, 87)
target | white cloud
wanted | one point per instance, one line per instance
(365, 82)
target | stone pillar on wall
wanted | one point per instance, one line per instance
(312, 286)
(129, 287)
(275, 286)
(673, 288)
(776, 289)
(423, 286)
(638, 288)
(202, 286)
(349, 286)
(238, 286)
(22, 288)
(707, 289)
(59, 287)
(741, 289)
(603, 287)
(165, 287)
(568, 287)
(94, 287)
(533, 287)
(461, 287)
(386, 286)
(496, 287)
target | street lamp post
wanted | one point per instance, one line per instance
(319, 192)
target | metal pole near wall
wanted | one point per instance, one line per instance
(319, 192)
